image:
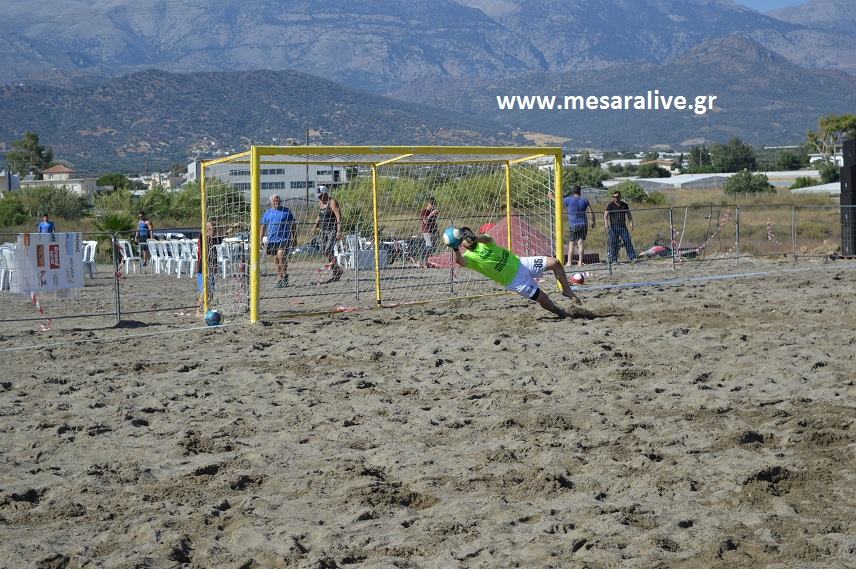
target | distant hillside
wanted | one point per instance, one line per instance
(762, 98)
(833, 15)
(380, 45)
(160, 118)
(364, 43)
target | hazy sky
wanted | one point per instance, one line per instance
(767, 5)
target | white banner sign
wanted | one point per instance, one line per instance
(47, 262)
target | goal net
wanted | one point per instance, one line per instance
(362, 226)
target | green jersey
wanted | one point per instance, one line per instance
(494, 262)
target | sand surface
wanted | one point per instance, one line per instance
(706, 425)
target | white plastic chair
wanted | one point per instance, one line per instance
(156, 259)
(128, 256)
(224, 259)
(187, 255)
(7, 267)
(344, 257)
(89, 257)
(173, 255)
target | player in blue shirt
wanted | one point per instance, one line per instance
(278, 224)
(578, 223)
(46, 226)
(145, 231)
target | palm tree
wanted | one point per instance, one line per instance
(110, 224)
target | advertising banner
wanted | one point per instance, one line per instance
(47, 262)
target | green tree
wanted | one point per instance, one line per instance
(187, 202)
(114, 222)
(745, 182)
(586, 161)
(650, 156)
(592, 176)
(117, 201)
(653, 171)
(788, 160)
(699, 157)
(831, 131)
(12, 211)
(633, 192)
(178, 169)
(804, 182)
(27, 155)
(733, 156)
(59, 202)
(628, 170)
(157, 203)
(829, 172)
(118, 181)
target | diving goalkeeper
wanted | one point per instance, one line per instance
(515, 273)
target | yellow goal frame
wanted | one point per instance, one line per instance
(372, 156)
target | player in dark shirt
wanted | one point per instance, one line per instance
(615, 217)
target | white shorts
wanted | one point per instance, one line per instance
(524, 281)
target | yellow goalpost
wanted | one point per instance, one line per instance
(386, 250)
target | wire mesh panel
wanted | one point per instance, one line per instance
(227, 236)
(157, 274)
(310, 265)
(704, 232)
(363, 238)
(818, 230)
(417, 202)
(766, 230)
(95, 302)
(651, 235)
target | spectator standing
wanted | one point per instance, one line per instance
(329, 224)
(144, 232)
(46, 226)
(615, 217)
(430, 233)
(576, 205)
(278, 225)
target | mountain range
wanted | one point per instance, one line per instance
(761, 97)
(159, 118)
(380, 45)
(115, 81)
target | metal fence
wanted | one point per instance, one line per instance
(119, 283)
(125, 282)
(723, 232)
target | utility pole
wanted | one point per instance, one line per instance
(307, 172)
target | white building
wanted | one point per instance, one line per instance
(621, 162)
(787, 178)
(832, 189)
(164, 180)
(60, 176)
(287, 180)
(839, 159)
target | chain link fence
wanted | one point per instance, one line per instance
(156, 282)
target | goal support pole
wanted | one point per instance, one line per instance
(376, 229)
(560, 226)
(508, 202)
(203, 254)
(255, 232)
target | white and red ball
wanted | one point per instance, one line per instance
(578, 279)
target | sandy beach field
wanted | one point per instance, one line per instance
(706, 425)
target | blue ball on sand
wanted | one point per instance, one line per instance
(213, 318)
